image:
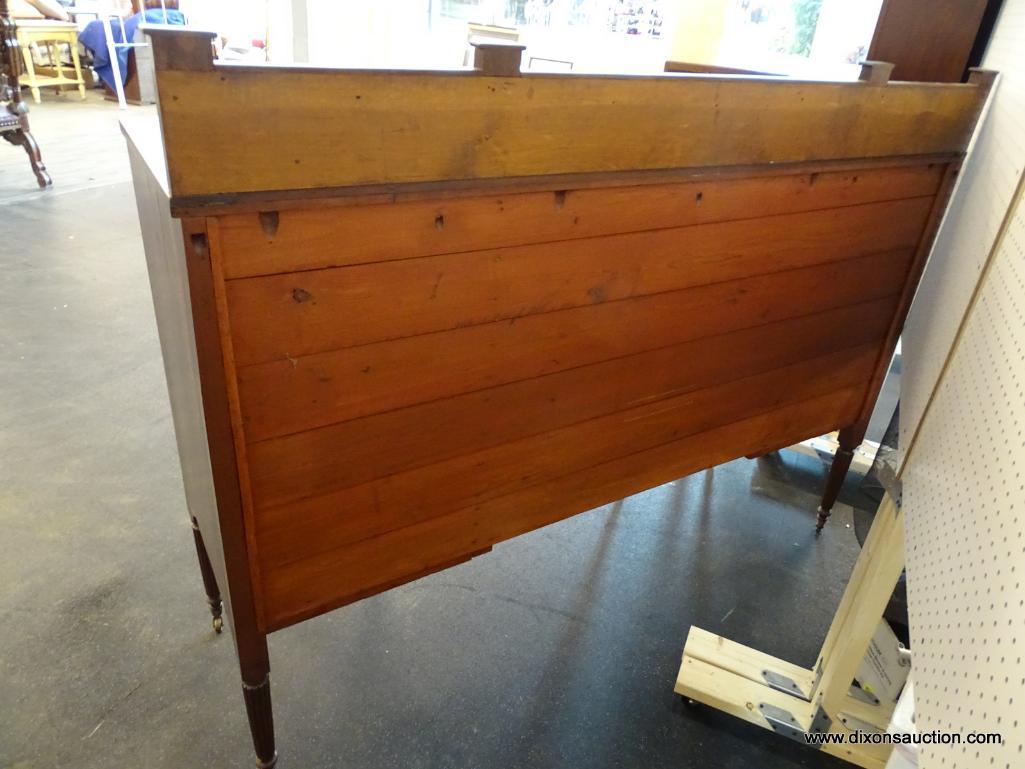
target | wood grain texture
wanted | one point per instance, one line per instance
(233, 516)
(318, 310)
(311, 586)
(928, 43)
(737, 695)
(315, 238)
(918, 262)
(229, 204)
(372, 378)
(292, 532)
(313, 462)
(231, 398)
(409, 127)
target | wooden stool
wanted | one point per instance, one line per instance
(52, 34)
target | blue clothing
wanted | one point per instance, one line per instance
(92, 37)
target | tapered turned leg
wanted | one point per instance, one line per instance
(213, 593)
(35, 157)
(261, 721)
(849, 440)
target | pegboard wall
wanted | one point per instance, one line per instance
(964, 476)
(964, 504)
(972, 224)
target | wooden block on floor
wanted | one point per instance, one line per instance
(716, 682)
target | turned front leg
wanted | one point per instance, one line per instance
(213, 592)
(261, 721)
(850, 438)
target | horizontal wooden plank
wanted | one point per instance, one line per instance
(743, 660)
(731, 693)
(313, 462)
(344, 128)
(308, 587)
(379, 194)
(299, 530)
(388, 375)
(306, 239)
(299, 314)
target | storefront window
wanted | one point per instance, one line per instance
(815, 38)
(812, 38)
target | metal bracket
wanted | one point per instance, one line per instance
(818, 675)
(784, 684)
(821, 722)
(783, 722)
(858, 725)
(856, 692)
(893, 486)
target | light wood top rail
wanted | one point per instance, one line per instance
(240, 130)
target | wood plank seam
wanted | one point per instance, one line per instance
(514, 396)
(319, 353)
(426, 483)
(330, 308)
(446, 396)
(386, 398)
(229, 204)
(411, 523)
(522, 511)
(553, 241)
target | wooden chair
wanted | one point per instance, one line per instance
(13, 111)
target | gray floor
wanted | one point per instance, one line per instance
(558, 649)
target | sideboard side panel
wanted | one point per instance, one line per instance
(164, 248)
(220, 431)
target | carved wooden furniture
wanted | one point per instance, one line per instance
(13, 111)
(52, 34)
(408, 315)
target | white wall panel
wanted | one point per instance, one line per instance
(972, 223)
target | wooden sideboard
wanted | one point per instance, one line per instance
(408, 315)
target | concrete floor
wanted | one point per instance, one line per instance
(558, 649)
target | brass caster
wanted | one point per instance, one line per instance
(218, 624)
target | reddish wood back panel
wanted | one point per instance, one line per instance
(419, 380)
(346, 384)
(359, 450)
(308, 587)
(318, 310)
(307, 239)
(402, 499)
